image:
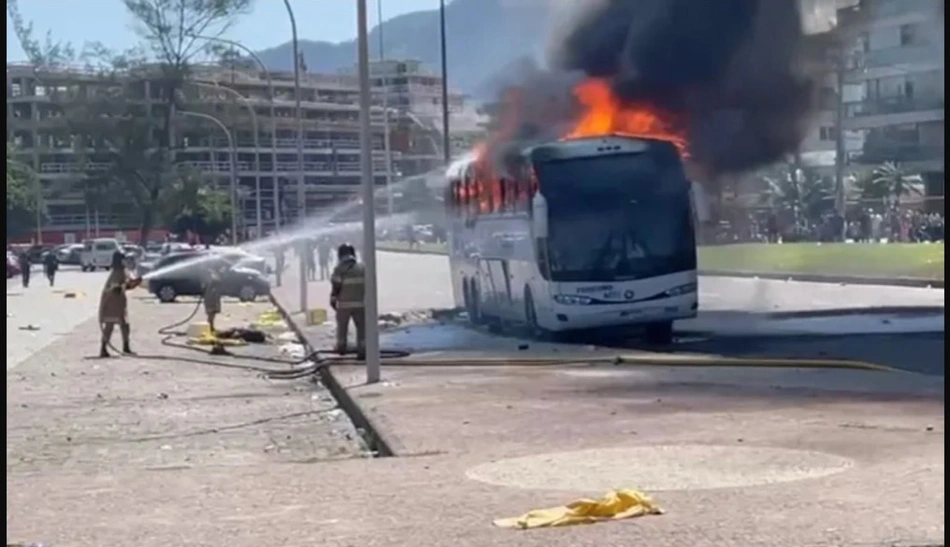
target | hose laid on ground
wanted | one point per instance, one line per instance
(322, 358)
(314, 358)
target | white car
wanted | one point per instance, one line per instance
(97, 253)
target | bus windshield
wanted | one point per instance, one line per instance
(616, 218)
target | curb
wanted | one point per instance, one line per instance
(804, 277)
(380, 443)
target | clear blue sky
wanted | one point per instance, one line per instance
(106, 21)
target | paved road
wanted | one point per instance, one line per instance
(48, 310)
(83, 432)
(408, 281)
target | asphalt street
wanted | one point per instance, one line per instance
(40, 314)
(414, 281)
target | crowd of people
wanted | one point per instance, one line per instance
(864, 226)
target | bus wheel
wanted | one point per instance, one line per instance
(660, 334)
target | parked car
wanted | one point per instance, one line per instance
(69, 255)
(13, 265)
(241, 258)
(97, 253)
(186, 279)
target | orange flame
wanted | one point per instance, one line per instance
(604, 114)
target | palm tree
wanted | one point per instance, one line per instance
(801, 191)
(889, 181)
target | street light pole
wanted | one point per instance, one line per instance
(227, 133)
(273, 128)
(385, 82)
(369, 201)
(257, 161)
(446, 149)
(301, 189)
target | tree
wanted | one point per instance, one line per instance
(799, 191)
(48, 53)
(889, 181)
(193, 206)
(21, 195)
(171, 29)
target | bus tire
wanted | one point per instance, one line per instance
(659, 334)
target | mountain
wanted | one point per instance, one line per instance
(483, 38)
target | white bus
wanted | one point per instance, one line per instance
(583, 234)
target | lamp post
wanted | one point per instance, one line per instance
(369, 201)
(301, 190)
(227, 133)
(257, 161)
(385, 82)
(446, 149)
(273, 129)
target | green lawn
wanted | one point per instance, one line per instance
(872, 260)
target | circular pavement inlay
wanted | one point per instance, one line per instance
(660, 468)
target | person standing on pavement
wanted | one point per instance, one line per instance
(323, 256)
(51, 265)
(309, 251)
(279, 263)
(25, 265)
(212, 294)
(114, 305)
(346, 299)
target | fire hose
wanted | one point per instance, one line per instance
(316, 359)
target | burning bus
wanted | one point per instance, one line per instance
(581, 233)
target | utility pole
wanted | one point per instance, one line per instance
(369, 198)
(446, 143)
(840, 152)
(385, 82)
(303, 247)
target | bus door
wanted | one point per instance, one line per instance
(497, 272)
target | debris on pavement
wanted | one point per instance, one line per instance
(615, 505)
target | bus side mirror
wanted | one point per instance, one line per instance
(539, 216)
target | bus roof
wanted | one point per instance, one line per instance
(572, 148)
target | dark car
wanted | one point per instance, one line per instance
(184, 273)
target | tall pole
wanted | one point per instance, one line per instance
(369, 201)
(273, 126)
(385, 81)
(301, 189)
(227, 133)
(257, 161)
(446, 147)
(840, 153)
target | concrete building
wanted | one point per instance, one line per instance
(894, 58)
(415, 94)
(266, 163)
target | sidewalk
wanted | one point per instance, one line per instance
(737, 457)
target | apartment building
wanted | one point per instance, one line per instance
(262, 126)
(894, 58)
(415, 94)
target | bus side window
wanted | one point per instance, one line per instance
(524, 194)
(498, 195)
(485, 195)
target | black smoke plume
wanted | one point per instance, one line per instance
(730, 73)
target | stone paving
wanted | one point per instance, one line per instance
(77, 424)
(743, 458)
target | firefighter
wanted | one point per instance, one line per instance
(114, 306)
(346, 298)
(24, 262)
(211, 297)
(51, 265)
